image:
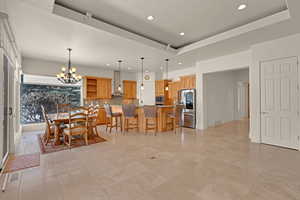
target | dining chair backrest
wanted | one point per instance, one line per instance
(93, 112)
(78, 118)
(150, 111)
(45, 115)
(108, 110)
(129, 110)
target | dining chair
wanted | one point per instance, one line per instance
(130, 114)
(111, 117)
(93, 112)
(176, 117)
(78, 125)
(62, 108)
(49, 129)
(150, 114)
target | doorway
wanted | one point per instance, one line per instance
(226, 96)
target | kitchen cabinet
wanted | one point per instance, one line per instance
(101, 119)
(174, 88)
(160, 91)
(97, 87)
(129, 89)
(188, 82)
(160, 86)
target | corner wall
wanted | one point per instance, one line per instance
(276, 49)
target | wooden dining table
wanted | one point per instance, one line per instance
(61, 119)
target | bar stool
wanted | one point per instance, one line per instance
(150, 114)
(110, 117)
(176, 118)
(129, 114)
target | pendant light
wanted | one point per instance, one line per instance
(120, 86)
(142, 84)
(167, 73)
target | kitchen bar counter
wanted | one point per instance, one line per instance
(164, 122)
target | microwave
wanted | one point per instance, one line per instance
(159, 100)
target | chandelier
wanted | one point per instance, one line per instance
(68, 75)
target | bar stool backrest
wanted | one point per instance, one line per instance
(108, 110)
(129, 110)
(150, 111)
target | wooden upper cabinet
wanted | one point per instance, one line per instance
(174, 88)
(129, 89)
(160, 87)
(188, 82)
(104, 88)
(90, 87)
(97, 88)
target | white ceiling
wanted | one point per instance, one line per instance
(199, 19)
(44, 35)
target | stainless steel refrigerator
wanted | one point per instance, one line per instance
(188, 99)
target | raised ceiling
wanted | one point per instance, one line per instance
(198, 19)
(44, 33)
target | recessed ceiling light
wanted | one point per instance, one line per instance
(180, 63)
(242, 7)
(129, 68)
(107, 64)
(182, 33)
(150, 18)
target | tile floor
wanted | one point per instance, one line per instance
(219, 163)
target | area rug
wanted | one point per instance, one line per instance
(16, 163)
(50, 147)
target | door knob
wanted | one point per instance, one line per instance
(264, 113)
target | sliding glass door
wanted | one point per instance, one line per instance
(8, 76)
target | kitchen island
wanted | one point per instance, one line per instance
(164, 122)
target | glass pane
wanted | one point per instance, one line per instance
(33, 96)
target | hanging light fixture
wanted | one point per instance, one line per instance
(167, 73)
(120, 86)
(142, 84)
(68, 75)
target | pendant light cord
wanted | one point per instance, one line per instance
(167, 68)
(120, 61)
(142, 58)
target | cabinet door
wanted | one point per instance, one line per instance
(126, 90)
(129, 89)
(171, 90)
(101, 117)
(161, 88)
(192, 81)
(133, 90)
(104, 88)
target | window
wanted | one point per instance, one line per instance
(36, 93)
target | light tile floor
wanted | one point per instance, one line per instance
(216, 164)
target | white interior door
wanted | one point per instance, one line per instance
(279, 103)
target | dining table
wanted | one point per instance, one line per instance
(59, 120)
